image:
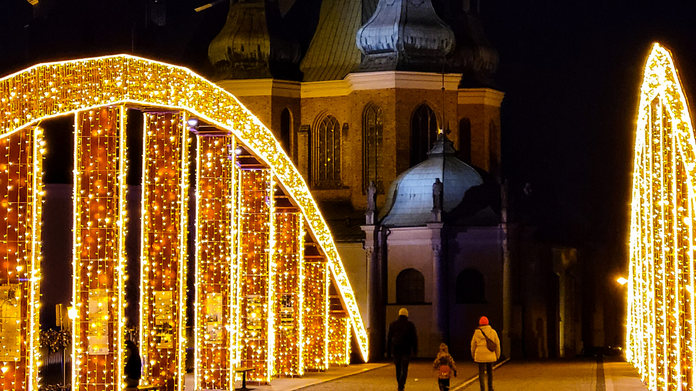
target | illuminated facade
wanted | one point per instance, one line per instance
(266, 263)
(660, 334)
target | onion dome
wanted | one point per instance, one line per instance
(254, 44)
(410, 197)
(404, 35)
(474, 55)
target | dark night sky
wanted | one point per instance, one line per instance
(571, 72)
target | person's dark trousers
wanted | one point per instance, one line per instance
(444, 384)
(486, 367)
(401, 364)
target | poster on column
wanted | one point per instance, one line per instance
(98, 318)
(213, 318)
(164, 319)
(10, 325)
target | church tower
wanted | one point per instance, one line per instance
(363, 101)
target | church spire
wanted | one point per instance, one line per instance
(405, 35)
(254, 44)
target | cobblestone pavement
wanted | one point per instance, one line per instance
(586, 374)
(421, 377)
(582, 374)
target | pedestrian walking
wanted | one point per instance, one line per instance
(485, 349)
(444, 364)
(133, 367)
(402, 342)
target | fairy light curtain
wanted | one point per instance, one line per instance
(339, 340)
(97, 92)
(21, 191)
(256, 271)
(215, 258)
(163, 264)
(289, 307)
(660, 335)
(99, 254)
(316, 320)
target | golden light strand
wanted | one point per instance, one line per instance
(20, 208)
(98, 264)
(163, 275)
(54, 89)
(288, 308)
(660, 304)
(255, 272)
(215, 195)
(315, 349)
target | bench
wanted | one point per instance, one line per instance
(243, 371)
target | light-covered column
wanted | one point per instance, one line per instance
(164, 249)
(215, 326)
(316, 322)
(289, 310)
(99, 257)
(256, 273)
(21, 190)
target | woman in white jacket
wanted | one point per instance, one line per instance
(484, 356)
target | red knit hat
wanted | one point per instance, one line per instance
(483, 321)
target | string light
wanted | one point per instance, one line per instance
(660, 334)
(163, 265)
(215, 260)
(316, 311)
(339, 340)
(289, 278)
(21, 192)
(99, 252)
(97, 91)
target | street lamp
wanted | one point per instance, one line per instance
(621, 280)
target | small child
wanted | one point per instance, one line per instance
(444, 364)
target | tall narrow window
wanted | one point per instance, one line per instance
(372, 147)
(465, 140)
(326, 151)
(285, 130)
(410, 287)
(423, 133)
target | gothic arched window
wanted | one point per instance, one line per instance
(465, 140)
(372, 147)
(410, 287)
(326, 153)
(423, 133)
(470, 287)
(285, 130)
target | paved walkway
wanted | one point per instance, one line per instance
(587, 374)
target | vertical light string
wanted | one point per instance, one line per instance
(163, 264)
(272, 242)
(62, 88)
(315, 313)
(660, 328)
(254, 252)
(287, 310)
(215, 195)
(20, 209)
(99, 201)
(339, 340)
(36, 202)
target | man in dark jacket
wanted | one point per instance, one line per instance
(402, 341)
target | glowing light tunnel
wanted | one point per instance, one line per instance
(660, 334)
(265, 258)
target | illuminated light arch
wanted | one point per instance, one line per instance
(115, 82)
(660, 325)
